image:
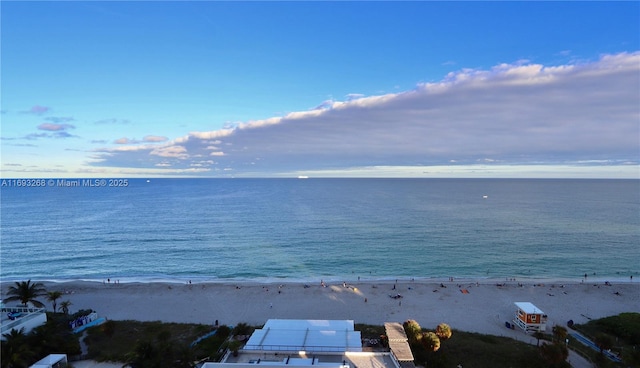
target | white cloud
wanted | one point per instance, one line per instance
(123, 140)
(478, 171)
(354, 96)
(113, 121)
(512, 114)
(128, 148)
(52, 127)
(170, 151)
(154, 138)
(216, 134)
(145, 139)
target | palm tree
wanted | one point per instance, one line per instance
(65, 306)
(242, 329)
(144, 354)
(26, 292)
(559, 333)
(53, 296)
(555, 354)
(431, 341)
(538, 335)
(443, 331)
(234, 347)
(183, 356)
(16, 352)
(412, 329)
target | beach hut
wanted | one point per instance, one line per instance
(529, 317)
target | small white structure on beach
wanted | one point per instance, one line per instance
(52, 361)
(529, 317)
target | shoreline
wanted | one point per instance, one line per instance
(334, 279)
(484, 307)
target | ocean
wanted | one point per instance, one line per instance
(280, 230)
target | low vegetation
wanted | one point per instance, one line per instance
(477, 350)
(19, 349)
(447, 348)
(620, 334)
(125, 340)
(169, 344)
(156, 343)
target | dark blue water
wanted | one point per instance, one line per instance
(293, 229)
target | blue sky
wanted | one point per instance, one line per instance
(479, 89)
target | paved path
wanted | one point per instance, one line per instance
(578, 361)
(585, 341)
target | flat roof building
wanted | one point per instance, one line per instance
(307, 335)
(306, 343)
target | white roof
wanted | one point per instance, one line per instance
(50, 360)
(293, 363)
(310, 324)
(528, 308)
(309, 335)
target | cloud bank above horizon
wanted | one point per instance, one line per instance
(583, 114)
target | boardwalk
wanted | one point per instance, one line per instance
(398, 344)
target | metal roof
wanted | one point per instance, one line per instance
(310, 335)
(528, 308)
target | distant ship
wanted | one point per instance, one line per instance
(303, 177)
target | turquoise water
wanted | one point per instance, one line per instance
(292, 229)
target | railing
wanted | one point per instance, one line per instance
(394, 359)
(585, 341)
(22, 310)
(330, 349)
(83, 320)
(21, 320)
(95, 322)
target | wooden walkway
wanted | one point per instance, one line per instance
(399, 344)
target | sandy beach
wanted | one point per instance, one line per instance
(484, 307)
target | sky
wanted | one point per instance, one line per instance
(320, 89)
